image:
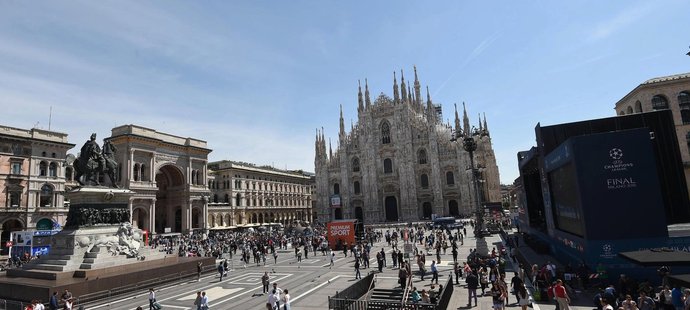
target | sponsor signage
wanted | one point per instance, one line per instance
(341, 232)
(335, 201)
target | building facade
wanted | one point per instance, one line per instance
(168, 175)
(667, 92)
(245, 194)
(32, 179)
(398, 162)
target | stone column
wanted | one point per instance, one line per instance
(130, 168)
(204, 215)
(152, 217)
(130, 205)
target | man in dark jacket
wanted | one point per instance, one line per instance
(472, 285)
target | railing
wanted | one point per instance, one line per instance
(348, 298)
(406, 293)
(444, 297)
(142, 286)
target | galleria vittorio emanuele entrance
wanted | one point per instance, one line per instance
(168, 175)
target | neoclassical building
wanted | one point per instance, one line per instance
(243, 193)
(398, 163)
(32, 179)
(660, 93)
(168, 174)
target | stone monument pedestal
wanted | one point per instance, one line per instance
(98, 250)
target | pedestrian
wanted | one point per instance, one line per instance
(472, 285)
(221, 271)
(434, 272)
(357, 274)
(275, 257)
(199, 267)
(522, 297)
(457, 271)
(286, 300)
(332, 256)
(152, 298)
(265, 282)
(402, 275)
(204, 301)
(197, 300)
(273, 299)
(53, 304)
(562, 296)
(66, 295)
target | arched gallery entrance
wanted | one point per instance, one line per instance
(359, 214)
(169, 199)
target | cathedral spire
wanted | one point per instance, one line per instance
(431, 112)
(479, 118)
(457, 120)
(330, 149)
(486, 128)
(465, 120)
(409, 95)
(342, 123)
(396, 96)
(402, 86)
(417, 90)
(366, 93)
(360, 101)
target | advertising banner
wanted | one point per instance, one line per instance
(335, 201)
(340, 232)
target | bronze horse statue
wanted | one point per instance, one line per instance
(92, 162)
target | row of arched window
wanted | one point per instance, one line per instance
(196, 177)
(660, 102)
(237, 184)
(254, 202)
(140, 172)
(388, 164)
(47, 169)
(424, 182)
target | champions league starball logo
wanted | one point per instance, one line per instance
(607, 251)
(616, 153)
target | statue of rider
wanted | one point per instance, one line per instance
(91, 150)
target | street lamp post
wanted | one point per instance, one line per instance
(470, 145)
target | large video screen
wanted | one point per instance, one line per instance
(565, 200)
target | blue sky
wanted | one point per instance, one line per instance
(256, 78)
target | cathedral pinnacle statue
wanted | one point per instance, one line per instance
(94, 162)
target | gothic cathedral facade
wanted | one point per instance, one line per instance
(398, 163)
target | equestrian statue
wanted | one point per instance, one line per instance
(94, 162)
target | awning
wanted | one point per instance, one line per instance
(660, 257)
(683, 280)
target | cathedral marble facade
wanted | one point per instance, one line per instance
(398, 163)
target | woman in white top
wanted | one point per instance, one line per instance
(273, 298)
(286, 300)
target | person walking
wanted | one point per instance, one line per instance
(332, 257)
(199, 267)
(152, 298)
(265, 282)
(472, 285)
(221, 271)
(197, 300)
(522, 297)
(273, 299)
(53, 304)
(357, 274)
(561, 295)
(286, 300)
(402, 275)
(434, 272)
(275, 257)
(204, 301)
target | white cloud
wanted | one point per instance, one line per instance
(620, 21)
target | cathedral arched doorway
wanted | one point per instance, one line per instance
(453, 208)
(359, 214)
(170, 181)
(426, 211)
(391, 209)
(338, 213)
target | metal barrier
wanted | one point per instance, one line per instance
(348, 299)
